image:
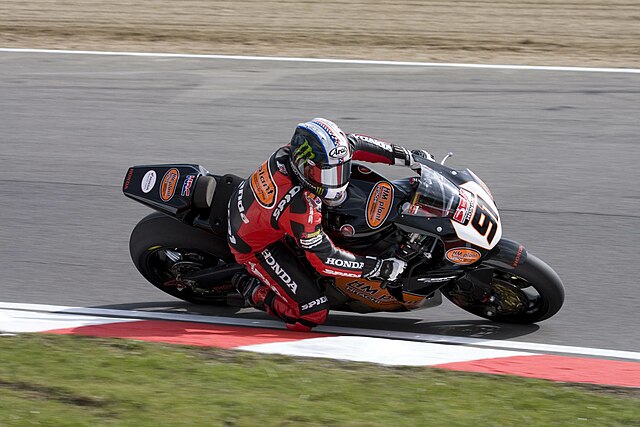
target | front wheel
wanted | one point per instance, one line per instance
(528, 293)
(167, 252)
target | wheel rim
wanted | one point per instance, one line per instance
(506, 295)
(168, 266)
(513, 295)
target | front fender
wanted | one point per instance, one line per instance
(507, 254)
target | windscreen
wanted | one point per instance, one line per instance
(435, 196)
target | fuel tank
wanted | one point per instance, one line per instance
(366, 217)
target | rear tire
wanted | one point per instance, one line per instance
(528, 293)
(163, 248)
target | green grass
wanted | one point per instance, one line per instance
(74, 381)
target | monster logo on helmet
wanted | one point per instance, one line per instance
(304, 152)
(321, 159)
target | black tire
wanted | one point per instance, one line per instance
(533, 283)
(156, 234)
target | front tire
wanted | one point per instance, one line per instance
(528, 293)
(164, 249)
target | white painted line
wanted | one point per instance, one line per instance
(273, 324)
(329, 60)
(380, 350)
(13, 321)
(145, 315)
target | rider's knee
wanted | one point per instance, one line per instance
(308, 321)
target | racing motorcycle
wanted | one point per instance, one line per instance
(443, 222)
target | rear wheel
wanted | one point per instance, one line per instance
(529, 293)
(166, 251)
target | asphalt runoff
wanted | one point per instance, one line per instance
(558, 149)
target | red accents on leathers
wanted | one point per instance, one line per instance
(271, 205)
(371, 158)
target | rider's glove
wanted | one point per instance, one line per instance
(405, 157)
(423, 154)
(387, 269)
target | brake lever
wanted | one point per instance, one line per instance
(446, 157)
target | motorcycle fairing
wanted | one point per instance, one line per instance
(483, 227)
(374, 296)
(462, 199)
(367, 189)
(167, 188)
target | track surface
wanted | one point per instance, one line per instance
(559, 150)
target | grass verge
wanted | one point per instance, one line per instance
(544, 32)
(76, 381)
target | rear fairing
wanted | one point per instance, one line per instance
(166, 188)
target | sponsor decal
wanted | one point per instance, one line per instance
(367, 288)
(240, 204)
(127, 180)
(465, 207)
(379, 204)
(282, 168)
(148, 181)
(285, 202)
(314, 233)
(371, 291)
(464, 256)
(347, 230)
(273, 264)
(264, 187)
(254, 270)
(320, 191)
(311, 210)
(339, 273)
(339, 152)
(314, 303)
(186, 186)
(303, 152)
(436, 279)
(343, 263)
(376, 142)
(311, 242)
(315, 205)
(168, 184)
(317, 201)
(257, 273)
(518, 256)
(221, 288)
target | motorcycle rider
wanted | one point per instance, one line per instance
(285, 197)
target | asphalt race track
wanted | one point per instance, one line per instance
(560, 150)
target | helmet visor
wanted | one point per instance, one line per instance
(328, 176)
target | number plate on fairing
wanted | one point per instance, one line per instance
(476, 219)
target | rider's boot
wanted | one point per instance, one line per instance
(251, 289)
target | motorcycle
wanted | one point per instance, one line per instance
(444, 223)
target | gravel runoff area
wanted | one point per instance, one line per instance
(594, 33)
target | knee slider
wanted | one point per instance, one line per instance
(314, 319)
